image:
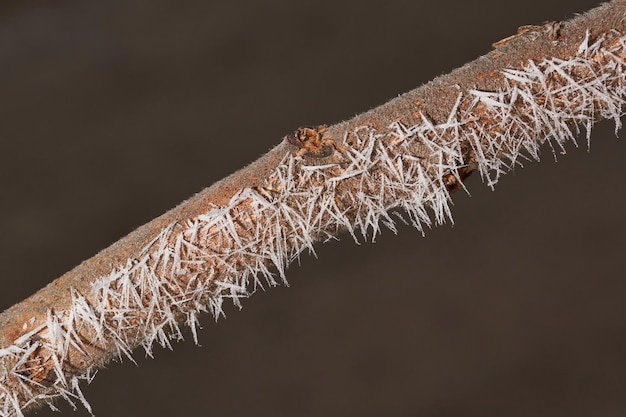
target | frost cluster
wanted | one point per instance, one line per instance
(232, 250)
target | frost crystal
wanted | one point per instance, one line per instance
(230, 251)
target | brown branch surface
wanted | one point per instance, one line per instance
(540, 85)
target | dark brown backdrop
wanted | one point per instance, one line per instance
(112, 112)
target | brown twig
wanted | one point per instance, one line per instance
(538, 86)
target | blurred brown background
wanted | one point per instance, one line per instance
(112, 112)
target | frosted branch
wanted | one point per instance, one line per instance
(400, 160)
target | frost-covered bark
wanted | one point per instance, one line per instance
(396, 162)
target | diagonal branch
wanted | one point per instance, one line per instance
(400, 159)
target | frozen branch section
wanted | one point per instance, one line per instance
(545, 85)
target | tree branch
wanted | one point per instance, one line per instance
(542, 85)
